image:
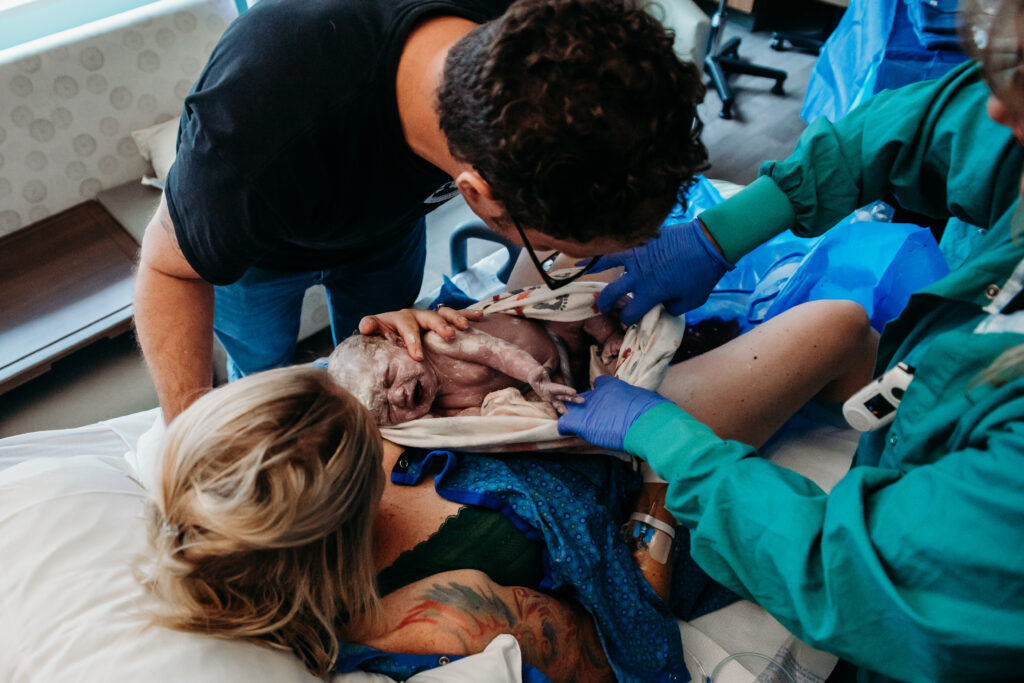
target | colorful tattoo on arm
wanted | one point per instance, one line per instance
(556, 636)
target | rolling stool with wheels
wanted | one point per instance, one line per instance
(725, 59)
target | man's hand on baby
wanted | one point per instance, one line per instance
(406, 327)
(607, 412)
(679, 268)
(548, 390)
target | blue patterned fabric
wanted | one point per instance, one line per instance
(575, 505)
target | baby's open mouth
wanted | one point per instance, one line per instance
(417, 393)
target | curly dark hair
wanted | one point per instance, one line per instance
(579, 115)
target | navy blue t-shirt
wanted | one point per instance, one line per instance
(291, 154)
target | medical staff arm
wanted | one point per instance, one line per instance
(929, 145)
(653, 272)
(918, 575)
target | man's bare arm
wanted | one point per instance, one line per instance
(173, 318)
(460, 612)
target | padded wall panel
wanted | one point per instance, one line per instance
(68, 109)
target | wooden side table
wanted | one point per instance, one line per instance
(65, 282)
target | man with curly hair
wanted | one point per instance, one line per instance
(320, 133)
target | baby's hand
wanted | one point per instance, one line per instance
(405, 327)
(554, 393)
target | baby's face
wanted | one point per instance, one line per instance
(393, 386)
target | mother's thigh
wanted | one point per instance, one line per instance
(747, 388)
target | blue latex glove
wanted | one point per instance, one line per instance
(679, 268)
(607, 412)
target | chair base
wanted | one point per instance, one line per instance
(806, 43)
(728, 61)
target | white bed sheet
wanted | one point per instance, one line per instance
(820, 451)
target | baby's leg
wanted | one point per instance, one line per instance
(747, 388)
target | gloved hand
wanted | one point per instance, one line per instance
(679, 268)
(607, 412)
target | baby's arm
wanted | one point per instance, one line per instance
(474, 346)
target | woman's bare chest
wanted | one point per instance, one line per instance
(406, 516)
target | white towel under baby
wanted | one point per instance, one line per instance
(646, 351)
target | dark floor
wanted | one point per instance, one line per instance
(109, 378)
(765, 126)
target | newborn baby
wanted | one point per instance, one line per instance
(496, 352)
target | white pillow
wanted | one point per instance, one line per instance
(71, 529)
(70, 608)
(157, 146)
(500, 662)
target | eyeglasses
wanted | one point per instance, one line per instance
(564, 276)
(989, 32)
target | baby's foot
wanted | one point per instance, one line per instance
(548, 390)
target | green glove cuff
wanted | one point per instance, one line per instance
(751, 217)
(656, 436)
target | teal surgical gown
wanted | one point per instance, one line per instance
(913, 566)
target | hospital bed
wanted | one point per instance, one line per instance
(71, 524)
(72, 530)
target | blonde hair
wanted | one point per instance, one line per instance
(1008, 366)
(261, 523)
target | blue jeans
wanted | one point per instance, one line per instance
(257, 318)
